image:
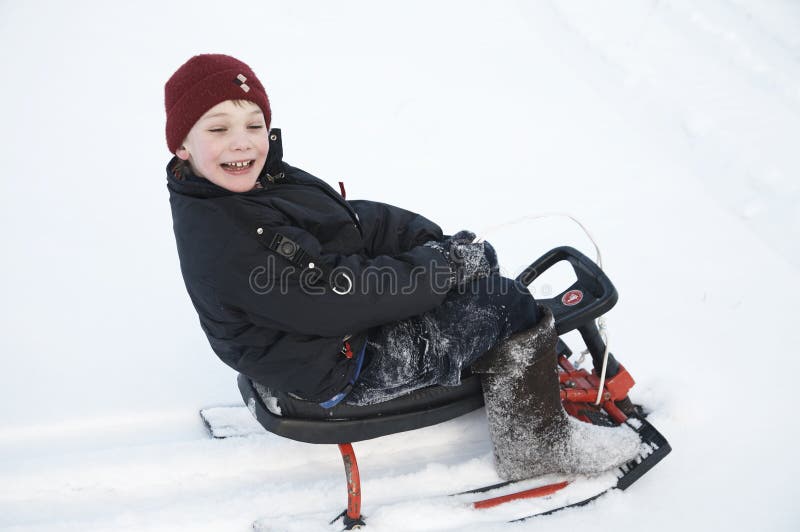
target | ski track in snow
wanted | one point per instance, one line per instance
(668, 127)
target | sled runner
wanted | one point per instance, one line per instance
(576, 308)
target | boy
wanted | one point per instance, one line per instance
(332, 300)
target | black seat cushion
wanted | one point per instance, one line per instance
(308, 422)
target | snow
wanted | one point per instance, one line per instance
(667, 127)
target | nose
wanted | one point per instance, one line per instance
(241, 141)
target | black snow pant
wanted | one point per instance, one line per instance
(435, 347)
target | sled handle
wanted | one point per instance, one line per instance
(588, 298)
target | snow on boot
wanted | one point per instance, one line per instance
(531, 433)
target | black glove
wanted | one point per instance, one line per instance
(467, 260)
(462, 237)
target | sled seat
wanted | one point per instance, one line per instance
(590, 296)
(308, 422)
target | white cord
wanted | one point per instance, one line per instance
(603, 328)
(516, 221)
(601, 322)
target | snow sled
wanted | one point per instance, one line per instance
(576, 308)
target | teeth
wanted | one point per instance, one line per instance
(241, 164)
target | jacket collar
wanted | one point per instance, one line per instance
(274, 164)
(186, 182)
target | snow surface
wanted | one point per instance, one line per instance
(668, 127)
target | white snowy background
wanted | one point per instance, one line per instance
(670, 128)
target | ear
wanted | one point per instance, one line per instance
(182, 153)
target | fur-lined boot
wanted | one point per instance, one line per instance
(531, 432)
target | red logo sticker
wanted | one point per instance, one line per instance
(572, 298)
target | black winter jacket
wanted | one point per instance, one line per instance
(266, 313)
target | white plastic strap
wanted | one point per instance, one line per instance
(601, 325)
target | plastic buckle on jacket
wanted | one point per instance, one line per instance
(347, 351)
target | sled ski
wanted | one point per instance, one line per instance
(230, 421)
(654, 448)
(585, 395)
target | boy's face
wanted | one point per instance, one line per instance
(228, 145)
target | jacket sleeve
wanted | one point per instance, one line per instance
(390, 230)
(275, 293)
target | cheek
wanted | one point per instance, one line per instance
(208, 150)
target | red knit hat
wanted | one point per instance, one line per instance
(201, 83)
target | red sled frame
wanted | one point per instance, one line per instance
(578, 393)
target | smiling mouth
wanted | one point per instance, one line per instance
(239, 166)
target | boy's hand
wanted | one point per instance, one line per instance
(462, 237)
(467, 260)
